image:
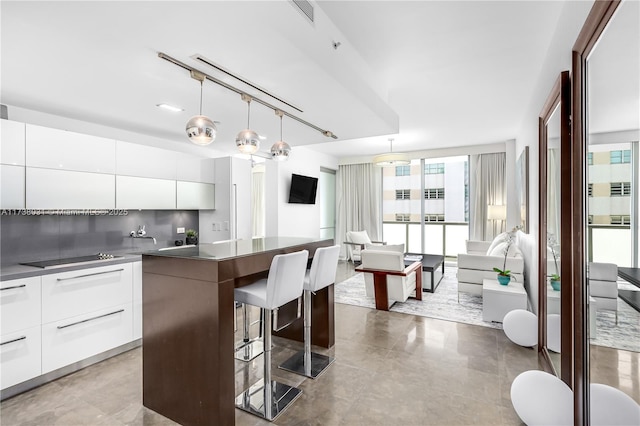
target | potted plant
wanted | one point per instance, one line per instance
(192, 236)
(554, 279)
(504, 274)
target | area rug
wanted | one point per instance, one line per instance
(443, 304)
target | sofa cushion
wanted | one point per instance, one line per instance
(359, 237)
(499, 249)
(499, 239)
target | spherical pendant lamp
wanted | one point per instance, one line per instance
(280, 150)
(200, 128)
(247, 141)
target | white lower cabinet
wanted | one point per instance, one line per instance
(51, 321)
(68, 294)
(20, 356)
(137, 300)
(74, 339)
(19, 304)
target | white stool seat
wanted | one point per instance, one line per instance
(253, 294)
(540, 398)
(612, 407)
(521, 327)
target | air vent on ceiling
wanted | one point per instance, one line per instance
(305, 7)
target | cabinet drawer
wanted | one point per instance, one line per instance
(19, 304)
(73, 339)
(20, 356)
(68, 294)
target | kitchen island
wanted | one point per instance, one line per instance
(188, 323)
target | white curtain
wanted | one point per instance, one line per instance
(553, 192)
(359, 198)
(488, 187)
(257, 201)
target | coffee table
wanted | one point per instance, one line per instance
(432, 269)
(498, 300)
(631, 275)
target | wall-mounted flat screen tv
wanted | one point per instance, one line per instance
(303, 189)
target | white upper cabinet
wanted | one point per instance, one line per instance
(195, 169)
(195, 196)
(12, 142)
(11, 187)
(62, 189)
(64, 150)
(145, 161)
(145, 193)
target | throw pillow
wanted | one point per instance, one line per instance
(497, 240)
(498, 250)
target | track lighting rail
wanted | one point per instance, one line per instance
(181, 64)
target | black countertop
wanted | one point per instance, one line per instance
(232, 248)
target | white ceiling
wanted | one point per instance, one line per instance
(430, 74)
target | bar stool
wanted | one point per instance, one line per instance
(267, 398)
(321, 275)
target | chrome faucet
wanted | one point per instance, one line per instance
(141, 233)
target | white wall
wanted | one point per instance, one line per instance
(558, 59)
(284, 219)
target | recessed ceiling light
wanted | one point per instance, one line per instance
(170, 107)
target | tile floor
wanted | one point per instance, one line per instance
(390, 369)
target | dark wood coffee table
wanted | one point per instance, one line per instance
(432, 269)
(632, 275)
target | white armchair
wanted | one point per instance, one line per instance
(480, 259)
(387, 267)
(356, 242)
(603, 286)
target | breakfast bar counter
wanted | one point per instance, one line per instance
(188, 323)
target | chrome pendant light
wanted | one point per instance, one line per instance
(392, 158)
(247, 140)
(200, 128)
(280, 150)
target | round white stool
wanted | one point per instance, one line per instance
(521, 327)
(612, 407)
(541, 398)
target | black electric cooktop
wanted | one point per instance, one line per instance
(53, 263)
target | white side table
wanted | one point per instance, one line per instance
(553, 307)
(498, 300)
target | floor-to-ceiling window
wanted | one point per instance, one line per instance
(610, 203)
(426, 205)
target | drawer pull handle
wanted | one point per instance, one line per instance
(13, 287)
(60, 327)
(90, 275)
(14, 340)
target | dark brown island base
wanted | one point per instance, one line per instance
(188, 323)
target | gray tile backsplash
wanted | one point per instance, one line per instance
(33, 238)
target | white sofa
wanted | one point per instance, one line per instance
(476, 264)
(603, 286)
